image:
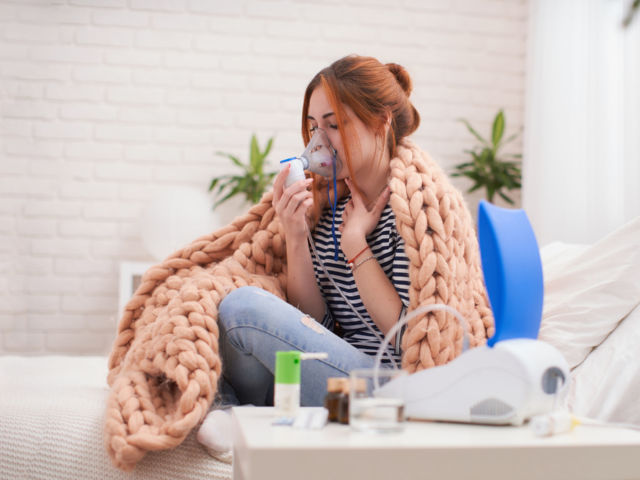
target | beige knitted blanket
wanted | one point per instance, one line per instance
(164, 366)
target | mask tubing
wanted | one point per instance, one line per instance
(324, 269)
(403, 321)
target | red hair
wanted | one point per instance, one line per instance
(375, 93)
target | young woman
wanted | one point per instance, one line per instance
(363, 107)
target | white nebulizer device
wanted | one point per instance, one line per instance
(319, 157)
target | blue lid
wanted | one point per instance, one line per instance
(512, 271)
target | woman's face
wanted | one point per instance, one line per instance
(362, 148)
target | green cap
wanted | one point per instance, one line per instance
(288, 367)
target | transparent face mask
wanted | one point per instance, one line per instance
(320, 156)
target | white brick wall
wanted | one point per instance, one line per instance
(104, 103)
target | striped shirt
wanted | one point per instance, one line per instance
(387, 247)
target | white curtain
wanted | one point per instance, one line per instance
(581, 166)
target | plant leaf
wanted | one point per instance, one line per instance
(473, 132)
(485, 158)
(233, 192)
(490, 193)
(233, 158)
(506, 198)
(497, 130)
(263, 156)
(224, 184)
(511, 138)
(254, 154)
(462, 166)
(267, 149)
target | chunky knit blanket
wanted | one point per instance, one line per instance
(164, 366)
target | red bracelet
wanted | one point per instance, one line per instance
(358, 254)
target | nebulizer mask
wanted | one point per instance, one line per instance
(319, 157)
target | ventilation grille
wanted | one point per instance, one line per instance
(491, 407)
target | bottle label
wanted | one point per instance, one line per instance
(286, 399)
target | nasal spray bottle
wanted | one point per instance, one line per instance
(286, 392)
(319, 157)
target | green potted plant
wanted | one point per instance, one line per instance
(252, 182)
(488, 168)
(634, 7)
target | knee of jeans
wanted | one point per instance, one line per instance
(238, 304)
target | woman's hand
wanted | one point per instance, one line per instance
(291, 204)
(358, 221)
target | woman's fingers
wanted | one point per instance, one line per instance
(300, 211)
(278, 184)
(355, 196)
(293, 189)
(348, 207)
(304, 206)
(295, 200)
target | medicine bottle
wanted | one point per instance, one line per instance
(335, 388)
(286, 390)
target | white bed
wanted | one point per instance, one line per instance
(51, 408)
(51, 424)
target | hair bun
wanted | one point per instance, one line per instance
(402, 76)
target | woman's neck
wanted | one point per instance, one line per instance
(374, 180)
(372, 188)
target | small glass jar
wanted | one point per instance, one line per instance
(343, 408)
(335, 394)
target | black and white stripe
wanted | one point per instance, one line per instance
(388, 248)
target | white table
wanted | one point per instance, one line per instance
(428, 450)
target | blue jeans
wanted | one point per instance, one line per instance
(254, 324)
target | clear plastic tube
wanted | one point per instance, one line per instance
(409, 316)
(324, 269)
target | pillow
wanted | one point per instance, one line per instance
(606, 386)
(589, 290)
